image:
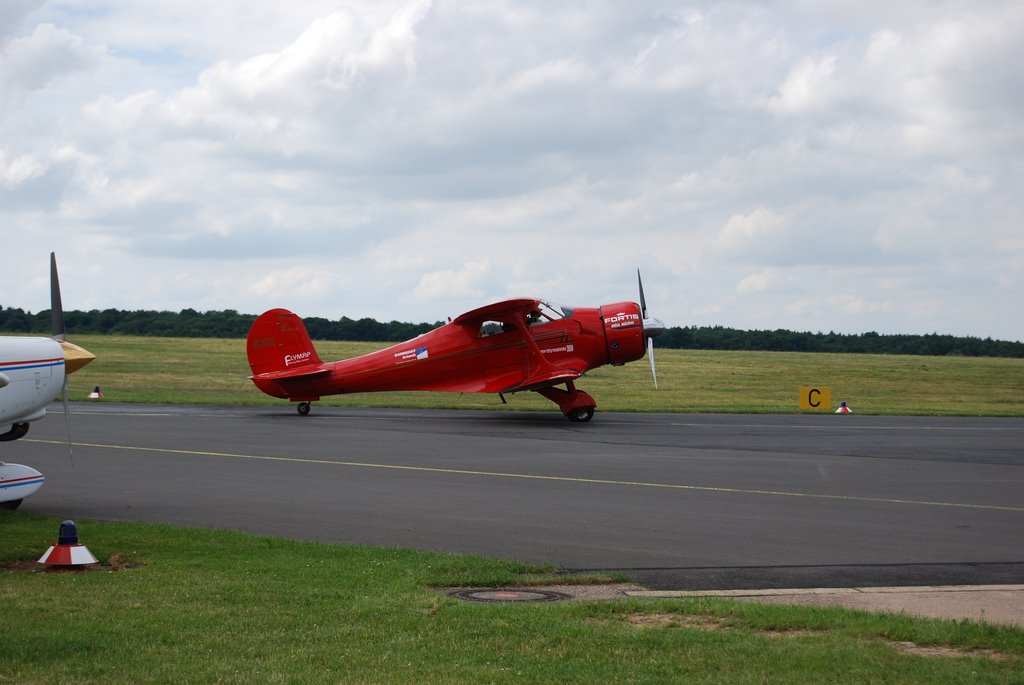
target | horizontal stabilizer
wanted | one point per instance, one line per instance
(300, 372)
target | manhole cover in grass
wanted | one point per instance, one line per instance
(508, 595)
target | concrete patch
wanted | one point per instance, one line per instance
(997, 604)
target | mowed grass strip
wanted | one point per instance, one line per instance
(184, 605)
(215, 371)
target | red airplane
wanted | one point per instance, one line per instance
(505, 347)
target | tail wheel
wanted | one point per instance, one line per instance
(581, 415)
(303, 408)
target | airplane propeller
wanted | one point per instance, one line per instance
(75, 357)
(653, 327)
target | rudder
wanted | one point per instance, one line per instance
(278, 341)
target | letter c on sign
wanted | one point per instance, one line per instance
(816, 398)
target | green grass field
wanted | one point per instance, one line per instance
(196, 606)
(182, 605)
(215, 371)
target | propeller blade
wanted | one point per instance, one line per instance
(56, 308)
(652, 327)
(643, 301)
(75, 357)
(650, 355)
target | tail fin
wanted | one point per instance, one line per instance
(278, 342)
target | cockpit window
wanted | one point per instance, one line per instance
(494, 328)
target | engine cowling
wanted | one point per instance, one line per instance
(623, 331)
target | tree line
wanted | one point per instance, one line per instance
(228, 323)
(931, 344)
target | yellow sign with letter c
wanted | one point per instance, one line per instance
(816, 399)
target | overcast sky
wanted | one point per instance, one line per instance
(804, 165)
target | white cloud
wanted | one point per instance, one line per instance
(13, 13)
(808, 86)
(751, 231)
(15, 171)
(452, 282)
(31, 62)
(226, 155)
(766, 279)
(296, 281)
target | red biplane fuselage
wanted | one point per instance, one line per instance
(506, 347)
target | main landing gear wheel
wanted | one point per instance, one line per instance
(303, 408)
(581, 415)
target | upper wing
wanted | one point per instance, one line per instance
(507, 311)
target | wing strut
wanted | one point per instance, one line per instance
(546, 374)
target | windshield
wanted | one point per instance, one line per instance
(549, 311)
(542, 313)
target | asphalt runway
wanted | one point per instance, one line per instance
(676, 501)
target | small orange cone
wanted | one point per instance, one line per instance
(843, 409)
(67, 551)
(96, 394)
